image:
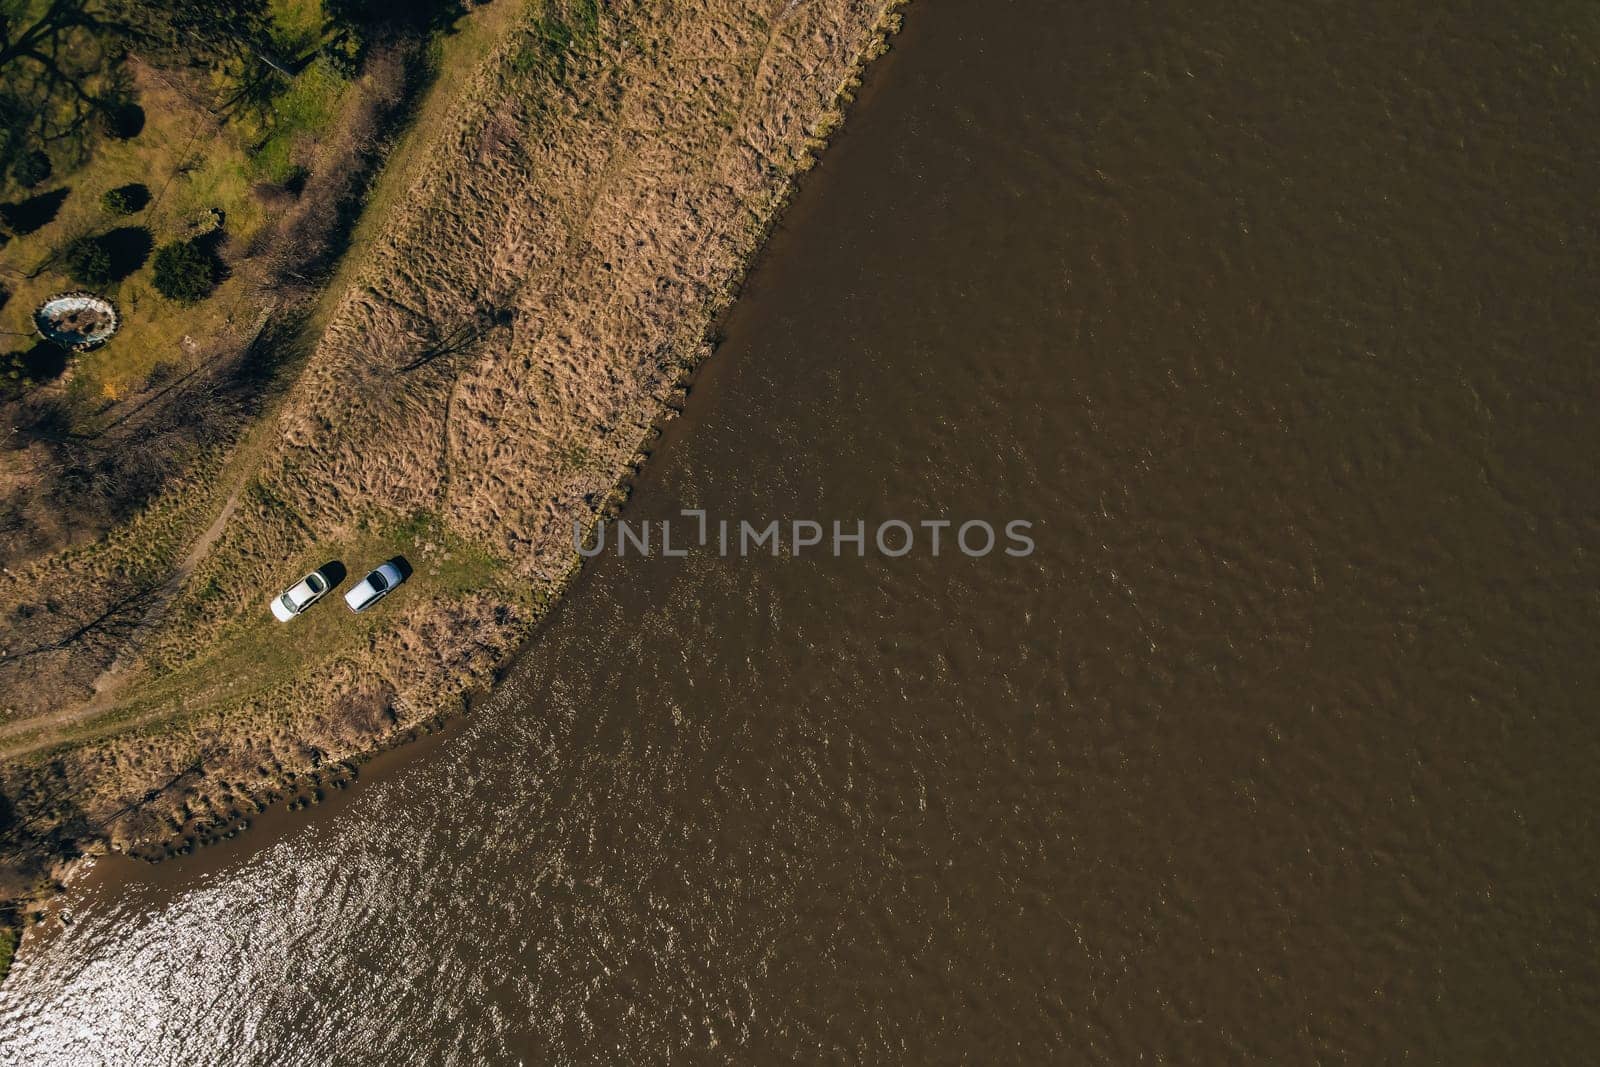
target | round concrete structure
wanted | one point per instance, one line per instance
(76, 321)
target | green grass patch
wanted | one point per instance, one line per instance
(255, 653)
(298, 25)
(302, 113)
(445, 560)
(562, 28)
(255, 648)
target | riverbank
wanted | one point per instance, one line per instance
(493, 372)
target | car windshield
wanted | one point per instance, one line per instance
(314, 580)
(375, 579)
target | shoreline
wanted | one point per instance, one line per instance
(498, 639)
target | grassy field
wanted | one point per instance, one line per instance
(264, 182)
(539, 267)
(190, 162)
(255, 654)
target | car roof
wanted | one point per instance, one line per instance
(361, 594)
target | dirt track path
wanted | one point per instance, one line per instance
(111, 680)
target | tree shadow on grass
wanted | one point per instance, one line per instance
(210, 245)
(20, 372)
(129, 247)
(45, 362)
(123, 121)
(36, 212)
(134, 196)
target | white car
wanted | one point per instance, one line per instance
(300, 596)
(371, 589)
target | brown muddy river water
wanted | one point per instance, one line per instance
(1278, 320)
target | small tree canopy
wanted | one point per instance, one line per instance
(88, 262)
(184, 272)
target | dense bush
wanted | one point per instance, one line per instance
(185, 272)
(15, 378)
(355, 24)
(31, 169)
(343, 54)
(88, 262)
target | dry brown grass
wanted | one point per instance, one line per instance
(489, 376)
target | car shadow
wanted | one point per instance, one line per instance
(335, 572)
(404, 566)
